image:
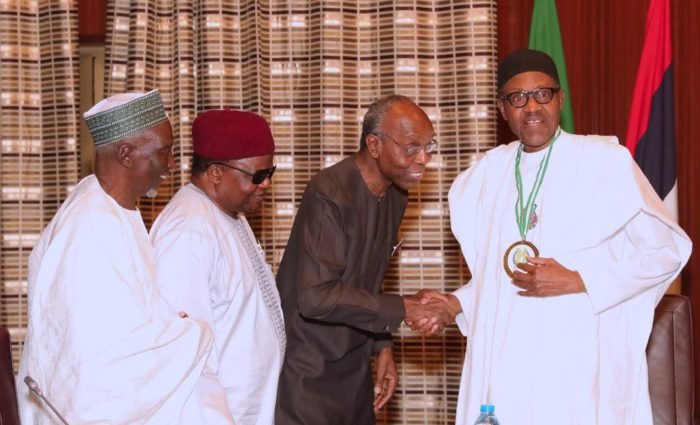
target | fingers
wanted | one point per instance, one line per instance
(527, 281)
(429, 311)
(535, 263)
(539, 261)
(526, 267)
(545, 277)
(387, 378)
(432, 317)
(424, 326)
(384, 391)
(532, 281)
(379, 385)
(426, 295)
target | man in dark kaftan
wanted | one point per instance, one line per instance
(331, 275)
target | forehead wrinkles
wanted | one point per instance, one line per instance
(408, 121)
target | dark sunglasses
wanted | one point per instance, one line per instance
(258, 176)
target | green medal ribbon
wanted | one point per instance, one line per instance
(523, 213)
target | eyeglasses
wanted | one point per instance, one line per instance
(518, 99)
(258, 176)
(412, 150)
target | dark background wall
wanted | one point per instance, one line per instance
(602, 43)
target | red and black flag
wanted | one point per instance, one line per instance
(650, 132)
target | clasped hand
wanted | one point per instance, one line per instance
(429, 312)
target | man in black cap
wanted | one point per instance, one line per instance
(570, 250)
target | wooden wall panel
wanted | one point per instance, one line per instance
(603, 43)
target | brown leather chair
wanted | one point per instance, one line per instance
(8, 396)
(670, 362)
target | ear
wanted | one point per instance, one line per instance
(502, 108)
(125, 153)
(562, 96)
(215, 173)
(373, 143)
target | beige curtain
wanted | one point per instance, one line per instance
(39, 145)
(311, 68)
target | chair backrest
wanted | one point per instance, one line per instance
(8, 396)
(670, 362)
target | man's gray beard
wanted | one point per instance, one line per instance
(152, 193)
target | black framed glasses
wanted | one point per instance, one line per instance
(518, 99)
(412, 150)
(258, 176)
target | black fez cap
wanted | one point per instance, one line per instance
(525, 60)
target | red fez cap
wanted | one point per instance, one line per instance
(224, 134)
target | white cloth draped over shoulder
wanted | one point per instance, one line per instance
(210, 266)
(573, 359)
(97, 342)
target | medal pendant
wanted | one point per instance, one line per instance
(533, 218)
(517, 253)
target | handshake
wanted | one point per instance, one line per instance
(429, 311)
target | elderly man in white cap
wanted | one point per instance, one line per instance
(210, 265)
(97, 345)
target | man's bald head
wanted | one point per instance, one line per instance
(378, 110)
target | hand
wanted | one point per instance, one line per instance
(428, 313)
(428, 294)
(385, 384)
(545, 277)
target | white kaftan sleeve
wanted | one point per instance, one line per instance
(465, 295)
(100, 350)
(636, 247)
(185, 259)
(643, 256)
(464, 198)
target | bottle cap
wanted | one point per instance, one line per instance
(488, 408)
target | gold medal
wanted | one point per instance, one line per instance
(517, 253)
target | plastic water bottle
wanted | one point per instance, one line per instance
(487, 416)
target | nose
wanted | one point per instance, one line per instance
(531, 104)
(266, 183)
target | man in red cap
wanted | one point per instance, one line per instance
(210, 266)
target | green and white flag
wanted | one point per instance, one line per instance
(545, 36)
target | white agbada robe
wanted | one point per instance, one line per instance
(210, 265)
(97, 343)
(574, 359)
